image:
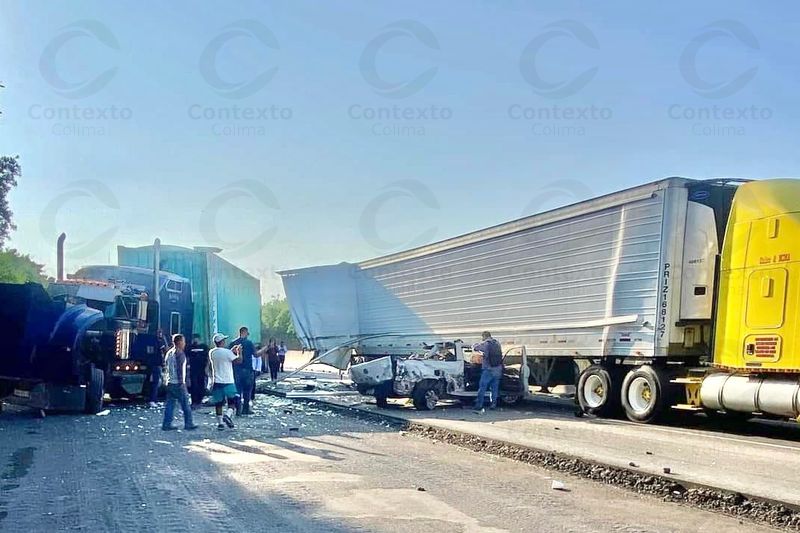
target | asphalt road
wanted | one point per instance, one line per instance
(734, 456)
(292, 467)
(739, 457)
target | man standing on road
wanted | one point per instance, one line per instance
(198, 357)
(244, 372)
(220, 363)
(282, 355)
(155, 363)
(175, 362)
(491, 370)
(271, 353)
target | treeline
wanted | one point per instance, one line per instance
(19, 268)
(276, 323)
(15, 267)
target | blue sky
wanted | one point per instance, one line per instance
(298, 133)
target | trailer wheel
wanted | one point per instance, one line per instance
(597, 392)
(94, 391)
(425, 396)
(646, 394)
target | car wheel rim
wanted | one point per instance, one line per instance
(431, 399)
(594, 391)
(640, 395)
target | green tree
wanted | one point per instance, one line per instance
(277, 323)
(18, 268)
(10, 170)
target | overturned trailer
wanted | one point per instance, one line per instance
(627, 291)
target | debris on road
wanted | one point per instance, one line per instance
(667, 470)
(305, 386)
(104, 413)
(558, 485)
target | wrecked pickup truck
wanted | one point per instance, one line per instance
(439, 371)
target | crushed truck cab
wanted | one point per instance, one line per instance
(439, 371)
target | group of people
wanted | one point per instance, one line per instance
(231, 371)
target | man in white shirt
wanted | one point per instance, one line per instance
(221, 361)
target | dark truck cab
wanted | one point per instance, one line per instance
(128, 346)
(66, 346)
(121, 293)
(50, 352)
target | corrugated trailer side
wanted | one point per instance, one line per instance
(598, 278)
(581, 282)
(183, 262)
(225, 296)
(234, 298)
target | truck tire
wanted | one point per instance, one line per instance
(382, 395)
(647, 394)
(598, 392)
(425, 396)
(94, 391)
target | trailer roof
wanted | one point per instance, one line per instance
(540, 219)
(585, 206)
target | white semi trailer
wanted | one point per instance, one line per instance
(620, 291)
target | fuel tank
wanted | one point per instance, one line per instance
(775, 395)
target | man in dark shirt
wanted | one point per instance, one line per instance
(156, 363)
(244, 371)
(491, 370)
(198, 359)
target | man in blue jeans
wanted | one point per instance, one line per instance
(175, 362)
(243, 374)
(491, 370)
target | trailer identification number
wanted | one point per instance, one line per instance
(662, 312)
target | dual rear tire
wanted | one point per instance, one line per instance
(644, 394)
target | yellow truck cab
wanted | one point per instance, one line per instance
(756, 352)
(756, 326)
